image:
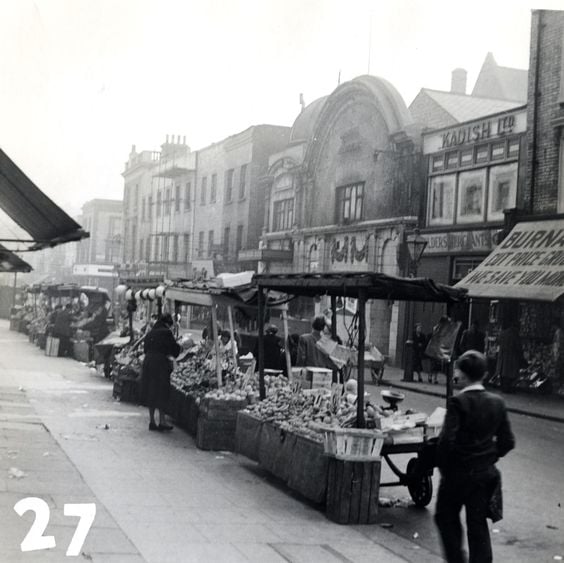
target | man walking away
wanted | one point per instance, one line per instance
(476, 433)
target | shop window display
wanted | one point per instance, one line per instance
(441, 200)
(471, 196)
(503, 190)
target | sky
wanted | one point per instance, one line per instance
(81, 81)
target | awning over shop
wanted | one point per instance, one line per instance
(10, 262)
(32, 210)
(527, 265)
(372, 284)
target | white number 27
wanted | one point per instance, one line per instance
(35, 540)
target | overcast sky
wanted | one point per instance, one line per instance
(83, 80)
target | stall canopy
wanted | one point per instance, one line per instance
(374, 285)
(47, 224)
(527, 265)
(10, 262)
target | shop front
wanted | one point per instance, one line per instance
(522, 281)
(475, 172)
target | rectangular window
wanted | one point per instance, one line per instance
(143, 209)
(157, 249)
(513, 148)
(283, 215)
(166, 248)
(466, 157)
(441, 200)
(174, 257)
(148, 250)
(226, 235)
(452, 159)
(177, 198)
(203, 190)
(229, 185)
(201, 244)
(463, 266)
(502, 191)
(167, 201)
(560, 207)
(133, 241)
(482, 153)
(210, 243)
(239, 241)
(213, 191)
(186, 248)
(187, 195)
(498, 150)
(159, 203)
(350, 201)
(471, 196)
(141, 249)
(150, 208)
(242, 181)
(136, 197)
(437, 162)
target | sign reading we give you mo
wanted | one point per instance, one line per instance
(528, 264)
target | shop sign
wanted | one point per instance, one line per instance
(349, 252)
(527, 264)
(476, 131)
(460, 241)
(95, 270)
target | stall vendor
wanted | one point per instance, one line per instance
(309, 353)
(273, 351)
(98, 324)
(62, 330)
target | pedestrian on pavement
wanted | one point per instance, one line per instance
(476, 433)
(510, 356)
(419, 345)
(160, 348)
(63, 330)
(473, 338)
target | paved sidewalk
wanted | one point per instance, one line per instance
(548, 407)
(159, 499)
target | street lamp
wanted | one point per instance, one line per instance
(416, 245)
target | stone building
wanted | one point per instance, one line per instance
(343, 193)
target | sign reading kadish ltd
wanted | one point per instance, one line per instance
(528, 265)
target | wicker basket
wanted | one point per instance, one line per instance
(352, 442)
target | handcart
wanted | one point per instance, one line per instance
(418, 474)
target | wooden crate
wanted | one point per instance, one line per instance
(215, 435)
(308, 470)
(247, 435)
(350, 442)
(352, 490)
(221, 410)
(81, 350)
(276, 450)
(52, 346)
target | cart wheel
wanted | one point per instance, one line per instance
(420, 487)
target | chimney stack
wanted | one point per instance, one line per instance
(458, 81)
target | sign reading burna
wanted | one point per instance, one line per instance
(527, 265)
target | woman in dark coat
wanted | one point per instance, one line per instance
(510, 357)
(419, 345)
(160, 347)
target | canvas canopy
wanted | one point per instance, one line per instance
(528, 265)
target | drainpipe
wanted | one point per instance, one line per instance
(535, 115)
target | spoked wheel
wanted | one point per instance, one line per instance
(419, 485)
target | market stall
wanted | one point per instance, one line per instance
(327, 443)
(209, 387)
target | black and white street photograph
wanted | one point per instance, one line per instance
(281, 281)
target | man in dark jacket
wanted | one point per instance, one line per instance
(63, 331)
(476, 433)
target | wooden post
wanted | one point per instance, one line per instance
(262, 390)
(334, 317)
(216, 344)
(286, 343)
(230, 318)
(361, 339)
